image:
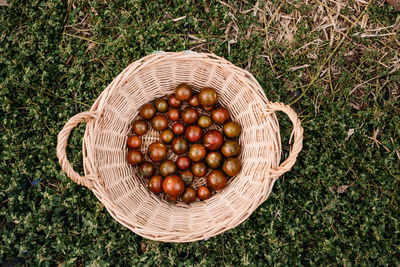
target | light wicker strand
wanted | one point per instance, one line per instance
(298, 137)
(62, 141)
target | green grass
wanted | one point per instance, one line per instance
(56, 57)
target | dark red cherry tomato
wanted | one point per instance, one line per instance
(147, 111)
(193, 133)
(194, 101)
(183, 92)
(167, 136)
(134, 157)
(159, 122)
(139, 127)
(179, 145)
(190, 115)
(146, 169)
(167, 168)
(183, 163)
(157, 151)
(173, 101)
(178, 128)
(189, 195)
(207, 97)
(197, 152)
(230, 148)
(173, 185)
(231, 166)
(220, 115)
(232, 129)
(203, 192)
(134, 141)
(204, 121)
(170, 198)
(216, 180)
(187, 177)
(214, 159)
(155, 184)
(173, 114)
(213, 140)
(161, 105)
(199, 169)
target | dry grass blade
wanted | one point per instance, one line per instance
(321, 67)
(395, 4)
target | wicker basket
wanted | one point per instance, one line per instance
(126, 196)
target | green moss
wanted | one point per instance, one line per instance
(50, 71)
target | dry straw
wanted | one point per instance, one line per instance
(126, 196)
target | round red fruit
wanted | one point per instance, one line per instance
(197, 152)
(213, 140)
(232, 129)
(220, 115)
(179, 145)
(161, 105)
(194, 101)
(203, 192)
(147, 111)
(173, 186)
(167, 168)
(157, 151)
(173, 114)
(183, 92)
(159, 122)
(173, 101)
(207, 97)
(178, 128)
(155, 184)
(199, 169)
(231, 166)
(193, 133)
(189, 195)
(187, 177)
(190, 115)
(146, 169)
(183, 163)
(216, 180)
(167, 136)
(139, 127)
(134, 157)
(134, 141)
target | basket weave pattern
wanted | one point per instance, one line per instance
(127, 197)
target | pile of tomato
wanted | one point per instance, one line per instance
(184, 122)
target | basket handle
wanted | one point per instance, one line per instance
(62, 140)
(297, 133)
